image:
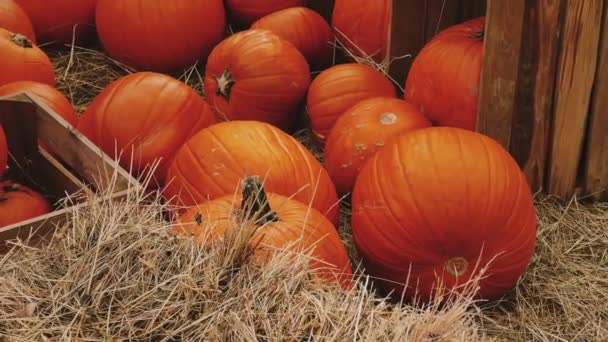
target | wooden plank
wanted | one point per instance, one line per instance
(499, 78)
(576, 72)
(470, 9)
(406, 36)
(323, 7)
(440, 14)
(596, 164)
(534, 89)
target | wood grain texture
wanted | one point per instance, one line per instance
(534, 89)
(596, 164)
(323, 7)
(406, 36)
(25, 120)
(440, 14)
(576, 72)
(500, 70)
(470, 9)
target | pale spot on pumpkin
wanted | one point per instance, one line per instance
(380, 143)
(359, 147)
(219, 166)
(388, 118)
(346, 165)
(359, 125)
(457, 266)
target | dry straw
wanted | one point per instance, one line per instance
(114, 273)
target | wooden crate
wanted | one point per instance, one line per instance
(544, 83)
(84, 166)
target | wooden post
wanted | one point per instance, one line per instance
(323, 7)
(534, 97)
(406, 36)
(576, 73)
(596, 164)
(500, 70)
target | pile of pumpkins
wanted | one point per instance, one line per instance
(433, 202)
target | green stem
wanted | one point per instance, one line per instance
(255, 206)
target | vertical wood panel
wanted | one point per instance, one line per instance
(470, 9)
(440, 14)
(535, 85)
(596, 168)
(502, 46)
(576, 72)
(323, 7)
(406, 36)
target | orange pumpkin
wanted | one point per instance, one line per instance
(443, 81)
(57, 20)
(256, 75)
(19, 203)
(277, 223)
(363, 130)
(245, 12)
(147, 116)
(212, 162)
(47, 95)
(438, 205)
(340, 87)
(362, 26)
(13, 18)
(21, 60)
(304, 28)
(3, 152)
(160, 35)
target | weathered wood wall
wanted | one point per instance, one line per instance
(544, 91)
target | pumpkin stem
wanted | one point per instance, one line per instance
(224, 84)
(254, 205)
(477, 35)
(22, 41)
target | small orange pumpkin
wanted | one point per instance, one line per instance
(211, 163)
(444, 79)
(147, 116)
(245, 12)
(277, 222)
(19, 203)
(14, 19)
(340, 87)
(364, 129)
(256, 75)
(21, 60)
(3, 152)
(47, 95)
(304, 28)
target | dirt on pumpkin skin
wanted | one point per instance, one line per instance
(122, 260)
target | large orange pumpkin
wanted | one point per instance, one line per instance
(3, 152)
(212, 162)
(57, 20)
(276, 222)
(160, 35)
(147, 116)
(47, 95)
(245, 12)
(443, 81)
(340, 87)
(21, 60)
(362, 26)
(443, 202)
(13, 18)
(19, 203)
(363, 130)
(256, 75)
(304, 28)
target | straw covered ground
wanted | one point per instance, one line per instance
(114, 272)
